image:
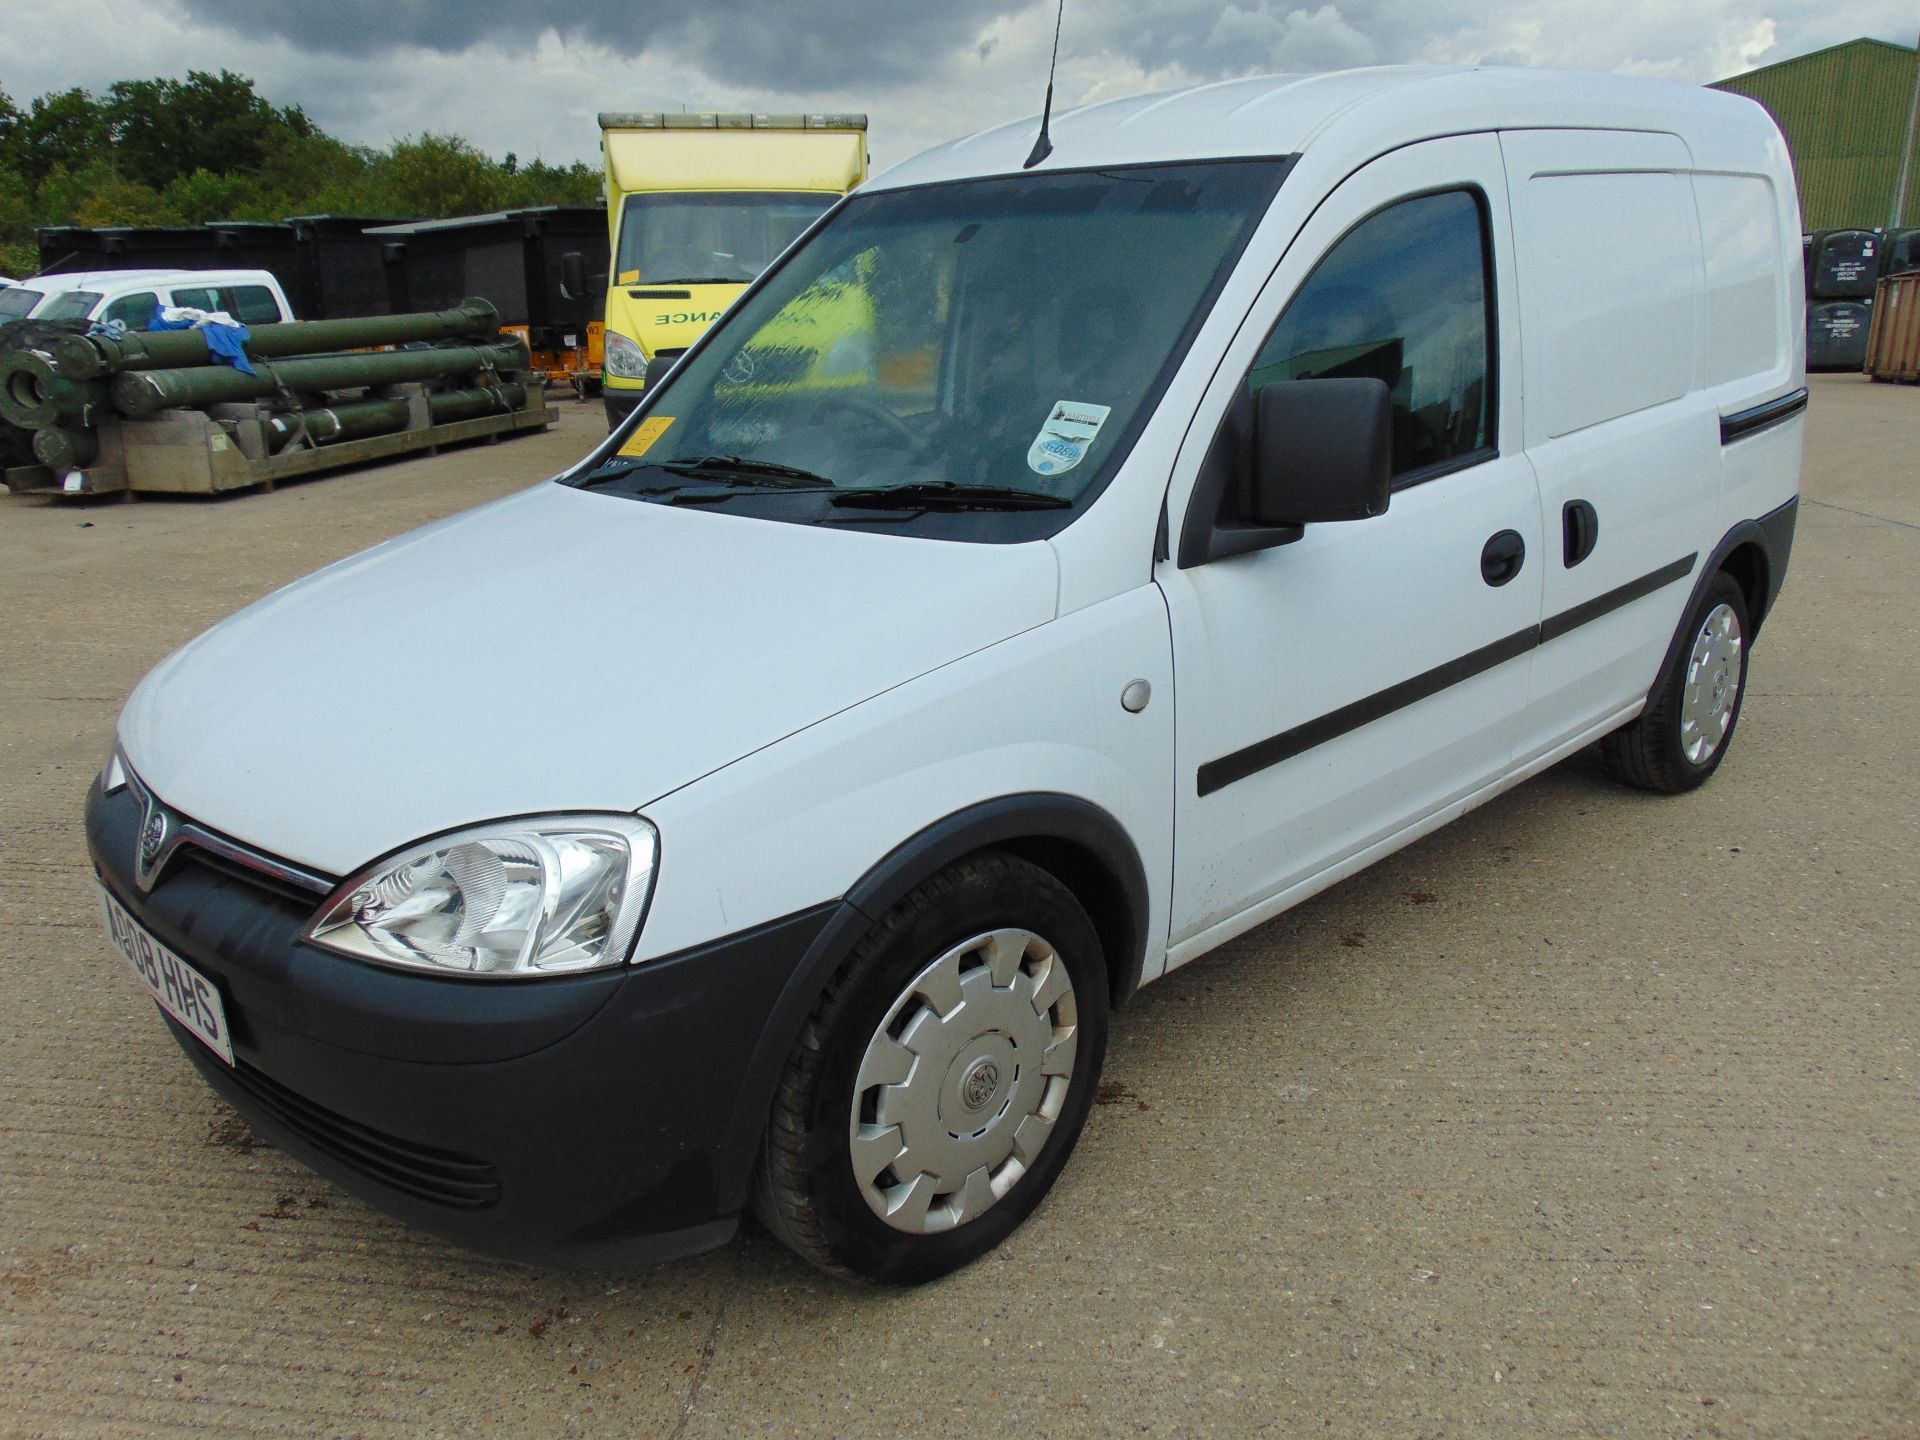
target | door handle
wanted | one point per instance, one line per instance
(1580, 527)
(1502, 556)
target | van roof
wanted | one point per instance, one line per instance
(64, 280)
(61, 281)
(1365, 111)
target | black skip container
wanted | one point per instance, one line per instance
(1837, 334)
(342, 268)
(1902, 251)
(65, 248)
(515, 258)
(1845, 264)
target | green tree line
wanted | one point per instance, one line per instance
(209, 147)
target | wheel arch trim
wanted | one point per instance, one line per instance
(1754, 553)
(1030, 825)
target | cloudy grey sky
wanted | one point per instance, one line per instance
(513, 75)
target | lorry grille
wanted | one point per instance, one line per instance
(441, 1176)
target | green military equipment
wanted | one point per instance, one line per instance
(157, 411)
(142, 392)
(87, 357)
(328, 425)
(32, 394)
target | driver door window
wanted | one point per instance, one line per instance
(1402, 298)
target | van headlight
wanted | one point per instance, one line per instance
(113, 774)
(624, 359)
(551, 895)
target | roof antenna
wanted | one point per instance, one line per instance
(1043, 147)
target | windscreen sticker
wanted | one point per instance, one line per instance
(1063, 440)
(629, 277)
(650, 430)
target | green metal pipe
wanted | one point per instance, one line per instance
(61, 448)
(24, 377)
(451, 405)
(33, 394)
(331, 424)
(88, 357)
(23, 393)
(141, 392)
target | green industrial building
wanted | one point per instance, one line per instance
(1845, 112)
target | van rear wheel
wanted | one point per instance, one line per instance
(940, 1084)
(1683, 734)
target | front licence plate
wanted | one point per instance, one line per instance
(179, 989)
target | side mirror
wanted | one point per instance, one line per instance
(1322, 450)
(573, 276)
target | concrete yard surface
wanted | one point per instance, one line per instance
(1594, 1114)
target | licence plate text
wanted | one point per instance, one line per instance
(179, 989)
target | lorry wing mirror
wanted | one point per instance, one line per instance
(573, 276)
(1322, 450)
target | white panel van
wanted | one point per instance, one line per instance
(770, 812)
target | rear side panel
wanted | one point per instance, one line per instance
(1749, 220)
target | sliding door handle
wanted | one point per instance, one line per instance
(1580, 531)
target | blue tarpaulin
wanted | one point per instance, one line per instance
(227, 343)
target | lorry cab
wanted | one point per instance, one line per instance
(131, 297)
(698, 205)
(1263, 477)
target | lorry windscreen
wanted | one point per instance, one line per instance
(972, 359)
(724, 237)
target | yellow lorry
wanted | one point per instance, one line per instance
(698, 205)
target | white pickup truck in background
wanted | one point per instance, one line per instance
(253, 297)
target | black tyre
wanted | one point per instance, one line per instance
(940, 1084)
(1683, 734)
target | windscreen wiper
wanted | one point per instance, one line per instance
(948, 495)
(733, 472)
(616, 467)
(756, 472)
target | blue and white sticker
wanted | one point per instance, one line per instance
(1063, 439)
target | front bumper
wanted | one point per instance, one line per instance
(619, 404)
(604, 1119)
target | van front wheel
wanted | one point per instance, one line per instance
(1683, 734)
(940, 1084)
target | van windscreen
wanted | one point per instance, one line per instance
(968, 360)
(73, 305)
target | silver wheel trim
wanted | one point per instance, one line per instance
(1712, 686)
(960, 1086)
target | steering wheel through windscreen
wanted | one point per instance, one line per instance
(828, 403)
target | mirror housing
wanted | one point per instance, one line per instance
(573, 276)
(1322, 451)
